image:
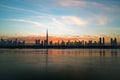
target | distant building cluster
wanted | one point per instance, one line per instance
(101, 42)
(38, 42)
(43, 43)
(113, 41)
(4, 42)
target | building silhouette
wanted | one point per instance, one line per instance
(62, 43)
(7, 42)
(46, 41)
(51, 43)
(101, 41)
(37, 42)
(113, 41)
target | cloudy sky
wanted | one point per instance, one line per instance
(64, 18)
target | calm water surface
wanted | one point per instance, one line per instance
(59, 64)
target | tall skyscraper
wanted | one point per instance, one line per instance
(46, 41)
(113, 41)
(47, 36)
(100, 41)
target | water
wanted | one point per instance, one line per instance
(59, 64)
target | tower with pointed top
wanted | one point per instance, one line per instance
(46, 40)
(47, 37)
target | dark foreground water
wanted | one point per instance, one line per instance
(59, 64)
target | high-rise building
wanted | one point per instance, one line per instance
(37, 42)
(100, 41)
(51, 43)
(103, 41)
(62, 43)
(47, 36)
(46, 41)
(113, 41)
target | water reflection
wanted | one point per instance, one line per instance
(114, 52)
(46, 57)
(60, 64)
(91, 52)
(57, 52)
(102, 52)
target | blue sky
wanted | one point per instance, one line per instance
(61, 17)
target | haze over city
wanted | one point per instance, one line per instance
(65, 19)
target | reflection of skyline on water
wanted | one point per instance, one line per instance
(72, 64)
(81, 52)
(84, 52)
(44, 57)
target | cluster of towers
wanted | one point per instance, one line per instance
(101, 42)
(15, 42)
(43, 43)
(113, 41)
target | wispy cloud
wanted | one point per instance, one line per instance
(29, 21)
(56, 24)
(85, 4)
(72, 3)
(75, 20)
(100, 20)
(24, 10)
(65, 20)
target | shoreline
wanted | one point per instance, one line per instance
(59, 47)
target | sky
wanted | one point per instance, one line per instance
(72, 19)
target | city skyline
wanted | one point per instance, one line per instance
(65, 19)
(47, 39)
(47, 42)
